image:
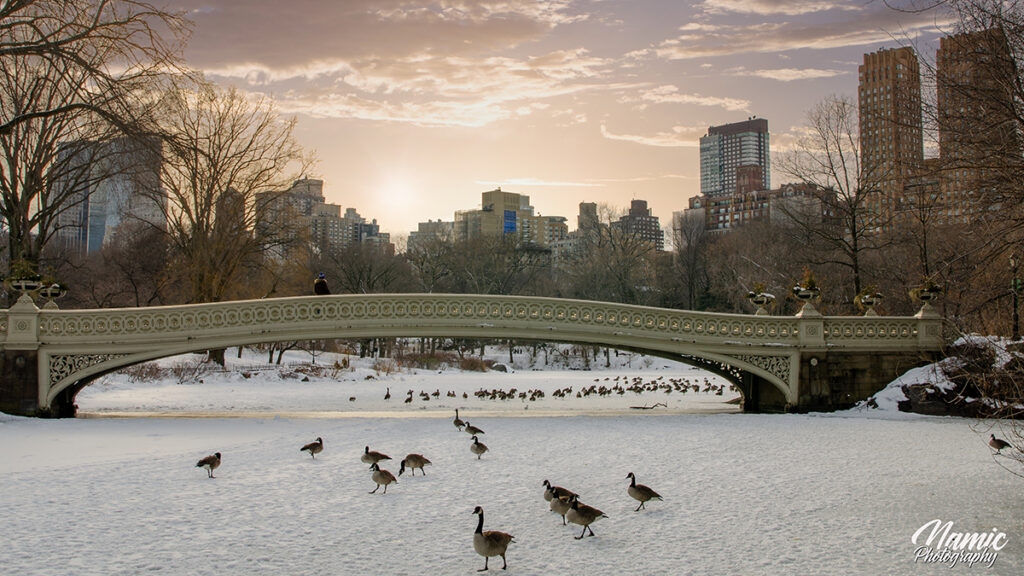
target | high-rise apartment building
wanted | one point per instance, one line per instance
(510, 215)
(639, 222)
(977, 131)
(891, 134)
(730, 147)
(324, 226)
(107, 187)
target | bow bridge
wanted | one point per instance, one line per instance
(781, 363)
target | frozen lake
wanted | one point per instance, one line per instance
(743, 494)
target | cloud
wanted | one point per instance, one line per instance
(523, 182)
(789, 74)
(784, 7)
(230, 32)
(427, 89)
(878, 26)
(668, 94)
(678, 137)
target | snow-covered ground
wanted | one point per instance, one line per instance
(253, 387)
(743, 494)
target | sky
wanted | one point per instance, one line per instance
(413, 108)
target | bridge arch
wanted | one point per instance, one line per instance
(74, 346)
(74, 372)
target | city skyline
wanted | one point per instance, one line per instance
(415, 108)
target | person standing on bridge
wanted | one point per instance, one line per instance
(320, 285)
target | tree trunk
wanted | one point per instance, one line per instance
(216, 356)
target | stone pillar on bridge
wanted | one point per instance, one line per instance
(19, 368)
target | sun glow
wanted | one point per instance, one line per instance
(397, 189)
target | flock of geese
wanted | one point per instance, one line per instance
(618, 385)
(562, 501)
(489, 543)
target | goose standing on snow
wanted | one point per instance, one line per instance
(560, 506)
(414, 461)
(382, 478)
(478, 448)
(552, 492)
(210, 462)
(387, 395)
(583, 515)
(490, 543)
(997, 443)
(314, 448)
(640, 493)
(472, 430)
(372, 458)
(458, 421)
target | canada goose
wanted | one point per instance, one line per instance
(387, 395)
(314, 448)
(472, 430)
(997, 443)
(583, 515)
(551, 492)
(373, 457)
(478, 448)
(414, 461)
(458, 421)
(382, 477)
(560, 506)
(640, 493)
(490, 543)
(211, 463)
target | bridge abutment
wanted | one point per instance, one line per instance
(19, 382)
(838, 380)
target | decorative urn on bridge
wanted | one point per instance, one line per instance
(868, 299)
(23, 279)
(51, 292)
(807, 291)
(763, 300)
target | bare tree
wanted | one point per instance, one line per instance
(225, 159)
(366, 269)
(827, 158)
(611, 264)
(690, 262)
(114, 44)
(498, 265)
(72, 73)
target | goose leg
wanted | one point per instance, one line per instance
(639, 507)
(582, 534)
(563, 521)
(385, 489)
(484, 569)
(591, 530)
(504, 564)
(375, 489)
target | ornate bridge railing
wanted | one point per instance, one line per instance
(73, 345)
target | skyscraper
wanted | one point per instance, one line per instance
(107, 186)
(891, 136)
(730, 147)
(978, 140)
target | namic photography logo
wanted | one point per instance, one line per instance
(941, 543)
